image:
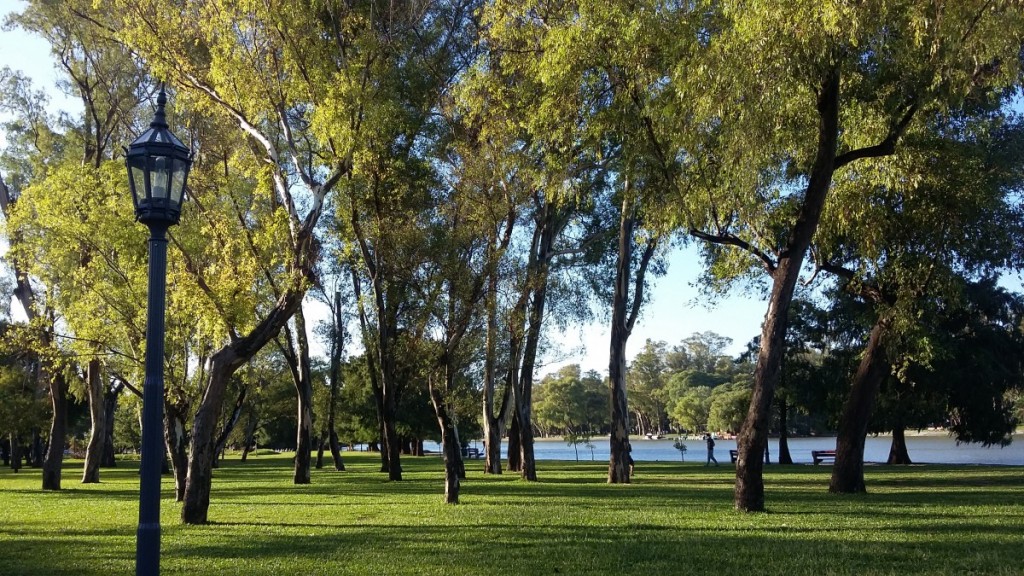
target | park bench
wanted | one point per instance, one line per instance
(471, 453)
(820, 456)
(733, 454)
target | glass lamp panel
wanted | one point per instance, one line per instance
(160, 178)
(178, 181)
(138, 179)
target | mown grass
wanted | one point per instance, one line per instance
(674, 519)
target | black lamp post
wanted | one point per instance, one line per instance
(158, 165)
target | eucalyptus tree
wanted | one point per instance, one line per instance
(110, 84)
(294, 348)
(311, 88)
(908, 233)
(473, 228)
(568, 74)
(393, 191)
(795, 96)
(592, 68)
(32, 141)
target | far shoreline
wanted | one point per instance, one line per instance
(924, 433)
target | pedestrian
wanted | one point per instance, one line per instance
(630, 456)
(711, 450)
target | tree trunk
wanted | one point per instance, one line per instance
(848, 471)
(450, 449)
(784, 455)
(494, 422)
(337, 344)
(392, 443)
(527, 318)
(304, 392)
(515, 460)
(176, 442)
(15, 442)
(898, 453)
(221, 365)
(110, 399)
(376, 376)
(229, 426)
(753, 437)
(58, 430)
(98, 434)
(619, 448)
(296, 352)
(196, 500)
(5, 450)
(250, 434)
(624, 313)
(321, 441)
(35, 456)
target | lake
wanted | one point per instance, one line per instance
(931, 449)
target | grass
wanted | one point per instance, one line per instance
(674, 519)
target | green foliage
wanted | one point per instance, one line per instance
(572, 404)
(728, 407)
(22, 408)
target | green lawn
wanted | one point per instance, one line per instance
(675, 519)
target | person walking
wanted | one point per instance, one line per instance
(711, 450)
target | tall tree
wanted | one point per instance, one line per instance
(320, 74)
(937, 214)
(625, 310)
(804, 94)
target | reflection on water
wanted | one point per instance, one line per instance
(923, 449)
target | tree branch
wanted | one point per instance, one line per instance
(732, 240)
(884, 148)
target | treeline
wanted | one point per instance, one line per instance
(446, 180)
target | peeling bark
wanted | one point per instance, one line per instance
(450, 449)
(624, 314)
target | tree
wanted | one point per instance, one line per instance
(914, 245)
(110, 84)
(692, 410)
(821, 88)
(573, 405)
(646, 381)
(324, 71)
(21, 408)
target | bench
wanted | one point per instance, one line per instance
(820, 456)
(471, 453)
(733, 454)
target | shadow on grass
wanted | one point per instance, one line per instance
(674, 519)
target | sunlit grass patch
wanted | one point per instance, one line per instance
(674, 519)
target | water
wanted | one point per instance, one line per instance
(932, 449)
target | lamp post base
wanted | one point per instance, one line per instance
(147, 550)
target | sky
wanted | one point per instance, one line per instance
(674, 311)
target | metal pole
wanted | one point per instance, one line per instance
(147, 544)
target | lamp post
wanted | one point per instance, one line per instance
(158, 165)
